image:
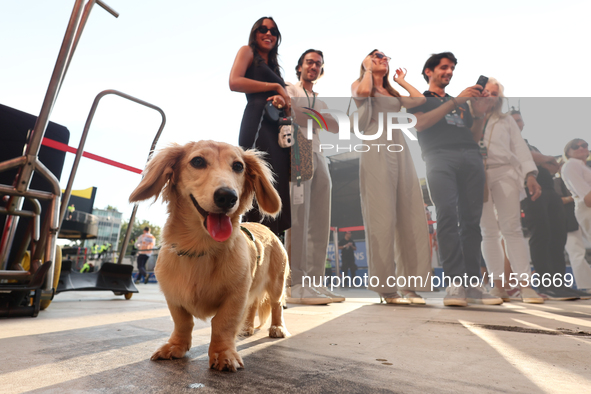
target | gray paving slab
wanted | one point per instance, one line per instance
(95, 342)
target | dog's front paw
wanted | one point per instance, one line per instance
(170, 351)
(228, 359)
(278, 332)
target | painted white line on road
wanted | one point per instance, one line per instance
(532, 325)
(552, 316)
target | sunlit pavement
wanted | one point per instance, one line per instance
(89, 342)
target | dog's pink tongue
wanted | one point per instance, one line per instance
(219, 226)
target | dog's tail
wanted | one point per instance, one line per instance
(264, 311)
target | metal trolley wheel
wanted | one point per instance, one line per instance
(57, 269)
(127, 295)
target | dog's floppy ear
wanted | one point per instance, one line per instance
(157, 173)
(259, 179)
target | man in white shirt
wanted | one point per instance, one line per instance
(310, 226)
(145, 243)
(577, 177)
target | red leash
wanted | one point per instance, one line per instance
(65, 148)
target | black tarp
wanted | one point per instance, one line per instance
(14, 129)
(346, 199)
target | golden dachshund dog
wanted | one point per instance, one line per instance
(211, 265)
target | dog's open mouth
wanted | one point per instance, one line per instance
(218, 225)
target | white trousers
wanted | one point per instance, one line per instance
(310, 224)
(575, 248)
(583, 215)
(501, 216)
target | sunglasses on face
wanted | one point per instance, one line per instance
(381, 56)
(265, 29)
(576, 146)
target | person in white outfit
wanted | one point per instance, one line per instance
(577, 177)
(310, 216)
(575, 245)
(508, 164)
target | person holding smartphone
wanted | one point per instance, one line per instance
(447, 134)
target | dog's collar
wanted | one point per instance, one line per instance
(249, 235)
(186, 253)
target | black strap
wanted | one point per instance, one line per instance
(249, 235)
(186, 253)
(296, 154)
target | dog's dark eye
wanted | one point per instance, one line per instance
(198, 162)
(237, 166)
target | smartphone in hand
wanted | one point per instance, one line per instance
(482, 81)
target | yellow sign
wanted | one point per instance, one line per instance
(86, 193)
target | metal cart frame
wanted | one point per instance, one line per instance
(45, 234)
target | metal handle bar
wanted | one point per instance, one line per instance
(25, 174)
(66, 195)
(107, 8)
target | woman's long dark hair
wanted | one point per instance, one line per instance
(386, 82)
(252, 42)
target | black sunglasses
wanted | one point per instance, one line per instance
(381, 56)
(264, 29)
(577, 145)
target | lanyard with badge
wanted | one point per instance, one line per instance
(298, 188)
(481, 145)
(455, 117)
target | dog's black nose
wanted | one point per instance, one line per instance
(225, 198)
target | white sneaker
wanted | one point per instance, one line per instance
(529, 296)
(333, 296)
(299, 294)
(397, 300)
(478, 295)
(456, 296)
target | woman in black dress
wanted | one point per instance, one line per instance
(256, 73)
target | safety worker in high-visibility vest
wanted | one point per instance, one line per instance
(94, 250)
(71, 210)
(102, 249)
(86, 267)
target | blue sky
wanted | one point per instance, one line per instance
(178, 54)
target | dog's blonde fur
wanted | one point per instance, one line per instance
(200, 276)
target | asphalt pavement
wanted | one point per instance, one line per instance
(96, 342)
